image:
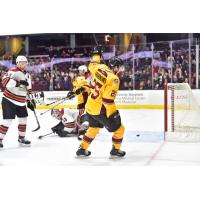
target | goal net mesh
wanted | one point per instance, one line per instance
(183, 121)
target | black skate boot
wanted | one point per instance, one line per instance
(83, 152)
(24, 142)
(117, 152)
(1, 144)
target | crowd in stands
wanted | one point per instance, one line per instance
(140, 77)
(62, 52)
(56, 79)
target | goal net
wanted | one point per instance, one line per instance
(181, 113)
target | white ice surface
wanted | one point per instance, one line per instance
(143, 143)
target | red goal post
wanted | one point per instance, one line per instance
(181, 113)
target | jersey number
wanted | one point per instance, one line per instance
(96, 87)
(113, 93)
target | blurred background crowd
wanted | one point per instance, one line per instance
(156, 65)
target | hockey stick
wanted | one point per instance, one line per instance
(95, 39)
(38, 124)
(41, 136)
(61, 101)
(48, 104)
(53, 107)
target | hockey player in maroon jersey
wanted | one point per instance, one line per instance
(17, 86)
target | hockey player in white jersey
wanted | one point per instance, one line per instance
(67, 125)
(17, 84)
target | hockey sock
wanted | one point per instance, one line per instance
(4, 127)
(118, 137)
(22, 127)
(88, 137)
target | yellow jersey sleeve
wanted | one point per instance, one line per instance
(93, 66)
(78, 83)
(109, 95)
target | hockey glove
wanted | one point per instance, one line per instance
(80, 90)
(31, 104)
(22, 82)
(70, 95)
(97, 50)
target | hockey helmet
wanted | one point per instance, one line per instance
(56, 113)
(115, 62)
(21, 59)
(98, 50)
(82, 68)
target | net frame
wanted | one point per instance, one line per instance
(182, 129)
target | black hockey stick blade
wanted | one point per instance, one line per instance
(38, 127)
(41, 136)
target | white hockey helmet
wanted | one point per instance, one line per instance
(21, 59)
(56, 113)
(82, 68)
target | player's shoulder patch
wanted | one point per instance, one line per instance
(116, 81)
(114, 78)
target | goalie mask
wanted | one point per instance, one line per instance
(56, 113)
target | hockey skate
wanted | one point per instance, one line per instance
(24, 142)
(117, 153)
(83, 152)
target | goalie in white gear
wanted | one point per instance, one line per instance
(68, 122)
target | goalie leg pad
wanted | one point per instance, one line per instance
(59, 126)
(62, 133)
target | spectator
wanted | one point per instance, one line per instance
(63, 73)
(67, 83)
